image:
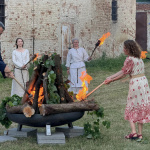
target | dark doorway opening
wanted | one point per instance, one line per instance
(141, 29)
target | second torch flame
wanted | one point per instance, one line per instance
(84, 78)
(102, 39)
(143, 54)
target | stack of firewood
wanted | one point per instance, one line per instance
(39, 77)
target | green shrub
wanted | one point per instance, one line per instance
(107, 64)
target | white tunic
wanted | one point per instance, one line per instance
(76, 58)
(75, 61)
(20, 59)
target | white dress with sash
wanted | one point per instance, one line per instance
(19, 59)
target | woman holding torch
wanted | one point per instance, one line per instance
(75, 64)
(20, 57)
(138, 101)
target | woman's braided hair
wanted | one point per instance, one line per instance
(133, 47)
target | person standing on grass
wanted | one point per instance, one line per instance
(4, 69)
(138, 101)
(20, 58)
(75, 64)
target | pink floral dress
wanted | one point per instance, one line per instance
(138, 100)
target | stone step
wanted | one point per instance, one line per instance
(6, 138)
(71, 132)
(25, 132)
(54, 138)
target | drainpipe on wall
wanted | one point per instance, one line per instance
(33, 29)
(33, 44)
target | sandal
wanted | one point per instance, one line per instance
(140, 135)
(139, 139)
(131, 136)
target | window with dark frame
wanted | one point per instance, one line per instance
(114, 10)
(2, 11)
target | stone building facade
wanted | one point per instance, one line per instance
(48, 26)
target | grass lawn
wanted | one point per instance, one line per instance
(112, 98)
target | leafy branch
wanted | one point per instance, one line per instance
(10, 101)
(52, 90)
(92, 130)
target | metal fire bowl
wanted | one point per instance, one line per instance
(41, 121)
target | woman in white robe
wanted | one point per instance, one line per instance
(20, 57)
(75, 64)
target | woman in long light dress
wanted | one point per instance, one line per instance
(20, 57)
(138, 101)
(75, 64)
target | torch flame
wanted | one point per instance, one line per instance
(82, 93)
(102, 39)
(37, 56)
(143, 54)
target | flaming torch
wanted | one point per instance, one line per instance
(143, 55)
(82, 93)
(33, 58)
(101, 41)
(95, 89)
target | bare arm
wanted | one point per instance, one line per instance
(118, 74)
(114, 77)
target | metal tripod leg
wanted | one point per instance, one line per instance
(19, 127)
(70, 125)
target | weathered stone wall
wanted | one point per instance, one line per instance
(54, 23)
(125, 27)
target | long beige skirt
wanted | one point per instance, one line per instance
(23, 77)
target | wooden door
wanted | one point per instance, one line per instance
(141, 29)
(67, 34)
